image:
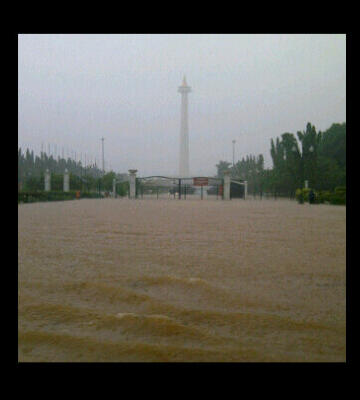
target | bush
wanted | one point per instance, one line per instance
(299, 196)
(323, 196)
(31, 197)
(338, 198)
(306, 192)
(122, 188)
(91, 195)
(340, 190)
(302, 195)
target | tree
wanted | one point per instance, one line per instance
(319, 157)
(107, 181)
(221, 167)
(333, 144)
(310, 141)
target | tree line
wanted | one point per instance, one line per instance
(89, 178)
(318, 157)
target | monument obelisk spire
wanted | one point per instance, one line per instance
(184, 89)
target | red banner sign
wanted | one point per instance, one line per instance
(201, 181)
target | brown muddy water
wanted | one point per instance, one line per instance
(173, 280)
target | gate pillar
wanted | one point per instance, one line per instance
(245, 190)
(227, 183)
(133, 183)
(66, 181)
(47, 181)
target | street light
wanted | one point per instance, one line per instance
(311, 150)
(295, 150)
(233, 142)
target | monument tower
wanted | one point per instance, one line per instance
(184, 89)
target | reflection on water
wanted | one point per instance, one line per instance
(162, 280)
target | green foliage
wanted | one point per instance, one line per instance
(31, 197)
(40, 196)
(323, 196)
(330, 174)
(33, 183)
(250, 169)
(299, 196)
(76, 182)
(318, 157)
(122, 188)
(302, 195)
(57, 182)
(338, 196)
(31, 170)
(340, 190)
(222, 167)
(90, 195)
(107, 181)
(333, 144)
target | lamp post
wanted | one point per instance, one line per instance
(233, 142)
(294, 150)
(103, 159)
(311, 150)
(302, 165)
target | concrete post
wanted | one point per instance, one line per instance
(245, 190)
(306, 184)
(66, 181)
(47, 181)
(133, 183)
(227, 183)
(205, 194)
(114, 188)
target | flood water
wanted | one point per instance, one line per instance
(151, 280)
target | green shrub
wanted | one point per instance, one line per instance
(122, 188)
(33, 184)
(338, 198)
(319, 197)
(31, 197)
(299, 196)
(91, 195)
(305, 193)
(302, 195)
(324, 196)
(340, 190)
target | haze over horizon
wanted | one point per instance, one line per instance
(75, 89)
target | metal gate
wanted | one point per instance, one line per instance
(179, 188)
(237, 189)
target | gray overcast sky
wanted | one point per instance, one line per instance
(74, 89)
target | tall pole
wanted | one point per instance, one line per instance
(103, 160)
(233, 142)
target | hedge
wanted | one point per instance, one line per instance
(31, 197)
(338, 197)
